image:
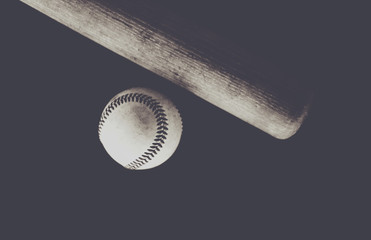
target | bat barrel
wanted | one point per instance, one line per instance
(191, 57)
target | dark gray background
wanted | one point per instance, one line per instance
(227, 180)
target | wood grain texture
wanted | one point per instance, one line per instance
(191, 57)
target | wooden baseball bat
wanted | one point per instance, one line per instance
(190, 57)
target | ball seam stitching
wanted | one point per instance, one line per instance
(161, 122)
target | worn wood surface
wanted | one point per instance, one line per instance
(191, 57)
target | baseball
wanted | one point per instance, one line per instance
(140, 128)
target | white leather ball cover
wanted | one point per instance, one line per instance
(140, 128)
